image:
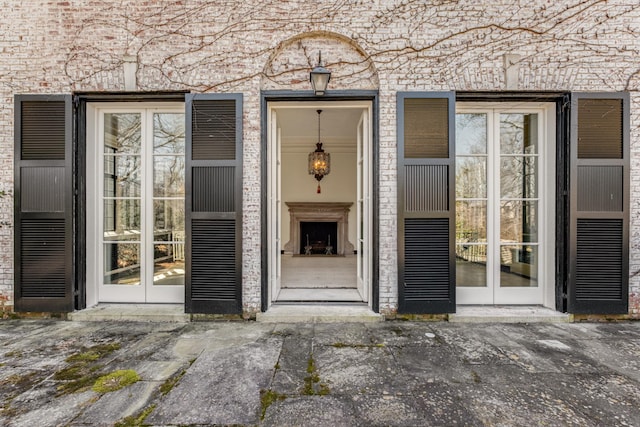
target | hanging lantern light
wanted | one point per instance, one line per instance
(319, 77)
(319, 161)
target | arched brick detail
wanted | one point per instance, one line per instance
(288, 66)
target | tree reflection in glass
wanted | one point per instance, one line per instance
(471, 199)
(519, 199)
(122, 198)
(168, 198)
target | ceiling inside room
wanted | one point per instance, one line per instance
(299, 127)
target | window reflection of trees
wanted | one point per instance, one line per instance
(518, 192)
(122, 139)
(471, 187)
(518, 177)
(122, 189)
(168, 148)
(169, 171)
(518, 180)
(123, 193)
(168, 198)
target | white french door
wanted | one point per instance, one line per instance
(139, 207)
(364, 213)
(504, 186)
(275, 206)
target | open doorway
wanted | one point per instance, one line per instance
(319, 232)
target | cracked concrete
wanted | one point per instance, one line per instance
(386, 374)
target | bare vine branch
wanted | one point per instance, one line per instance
(176, 42)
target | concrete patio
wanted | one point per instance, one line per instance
(320, 374)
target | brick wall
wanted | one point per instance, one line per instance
(245, 46)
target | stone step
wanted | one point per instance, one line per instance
(319, 313)
(507, 314)
(133, 313)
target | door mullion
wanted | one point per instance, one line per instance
(146, 239)
(493, 202)
(99, 231)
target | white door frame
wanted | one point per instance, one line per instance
(544, 293)
(274, 209)
(364, 222)
(144, 292)
(275, 205)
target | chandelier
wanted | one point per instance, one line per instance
(319, 161)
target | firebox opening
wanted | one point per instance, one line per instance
(319, 238)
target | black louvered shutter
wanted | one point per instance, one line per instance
(214, 203)
(598, 280)
(43, 203)
(426, 215)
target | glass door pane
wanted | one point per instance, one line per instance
(168, 199)
(122, 183)
(499, 190)
(471, 199)
(519, 158)
(142, 199)
(471, 243)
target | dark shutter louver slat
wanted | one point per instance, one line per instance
(600, 188)
(600, 130)
(426, 262)
(42, 247)
(43, 203)
(426, 188)
(43, 130)
(43, 189)
(213, 240)
(214, 130)
(213, 189)
(214, 200)
(426, 234)
(599, 260)
(599, 226)
(426, 119)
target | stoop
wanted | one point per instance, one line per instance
(319, 313)
(133, 313)
(507, 314)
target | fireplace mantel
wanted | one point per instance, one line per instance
(318, 212)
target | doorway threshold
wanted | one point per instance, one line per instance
(319, 294)
(319, 313)
(507, 314)
(172, 313)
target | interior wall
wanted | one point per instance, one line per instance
(338, 186)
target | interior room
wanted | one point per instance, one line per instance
(317, 217)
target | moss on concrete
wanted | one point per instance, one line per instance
(115, 381)
(83, 371)
(136, 420)
(74, 379)
(17, 354)
(171, 382)
(94, 353)
(267, 397)
(312, 385)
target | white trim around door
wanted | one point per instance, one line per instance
(135, 202)
(505, 200)
(360, 141)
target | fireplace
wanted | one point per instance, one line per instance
(318, 238)
(311, 212)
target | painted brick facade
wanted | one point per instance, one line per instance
(245, 46)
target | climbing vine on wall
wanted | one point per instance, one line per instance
(212, 45)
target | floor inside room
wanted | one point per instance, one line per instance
(318, 278)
